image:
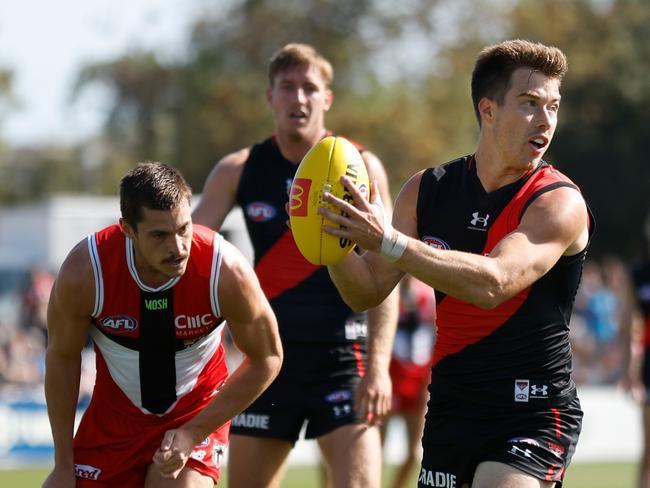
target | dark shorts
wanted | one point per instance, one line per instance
(316, 385)
(537, 442)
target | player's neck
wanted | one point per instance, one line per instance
(494, 171)
(294, 147)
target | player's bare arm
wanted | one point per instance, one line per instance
(365, 281)
(555, 224)
(374, 395)
(220, 190)
(68, 320)
(253, 327)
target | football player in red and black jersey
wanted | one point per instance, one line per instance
(501, 236)
(335, 374)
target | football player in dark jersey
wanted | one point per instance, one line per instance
(501, 236)
(335, 374)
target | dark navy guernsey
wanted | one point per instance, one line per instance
(305, 301)
(517, 353)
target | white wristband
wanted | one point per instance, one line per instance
(393, 248)
(387, 239)
(393, 243)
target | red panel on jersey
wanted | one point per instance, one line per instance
(283, 267)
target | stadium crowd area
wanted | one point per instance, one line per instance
(595, 327)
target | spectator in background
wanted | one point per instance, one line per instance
(598, 315)
(410, 368)
(635, 339)
(35, 298)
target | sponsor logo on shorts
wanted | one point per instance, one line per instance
(252, 421)
(199, 455)
(218, 452)
(524, 440)
(435, 242)
(342, 410)
(522, 390)
(437, 479)
(556, 449)
(355, 330)
(339, 396)
(119, 324)
(519, 452)
(86, 472)
(298, 204)
(538, 391)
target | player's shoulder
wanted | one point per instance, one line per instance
(76, 273)
(236, 271)
(226, 173)
(236, 158)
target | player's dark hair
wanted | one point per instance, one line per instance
(495, 64)
(299, 55)
(153, 185)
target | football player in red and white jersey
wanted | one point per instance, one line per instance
(154, 293)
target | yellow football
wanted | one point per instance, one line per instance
(320, 172)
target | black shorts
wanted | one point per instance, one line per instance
(458, 438)
(315, 385)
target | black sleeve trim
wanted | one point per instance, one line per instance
(541, 191)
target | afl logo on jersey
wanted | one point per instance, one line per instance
(260, 211)
(435, 242)
(119, 324)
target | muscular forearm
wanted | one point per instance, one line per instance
(469, 277)
(382, 322)
(61, 392)
(245, 384)
(355, 282)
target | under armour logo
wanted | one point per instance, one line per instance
(537, 390)
(519, 452)
(479, 220)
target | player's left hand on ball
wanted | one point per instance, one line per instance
(173, 453)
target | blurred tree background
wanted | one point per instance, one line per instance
(401, 86)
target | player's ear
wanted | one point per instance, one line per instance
(269, 95)
(329, 99)
(486, 109)
(127, 229)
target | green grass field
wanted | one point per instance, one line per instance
(586, 475)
